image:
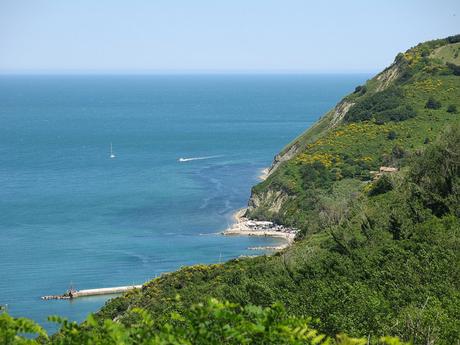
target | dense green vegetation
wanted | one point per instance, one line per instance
(402, 110)
(386, 262)
(210, 323)
(377, 254)
(383, 106)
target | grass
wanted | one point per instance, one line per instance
(449, 53)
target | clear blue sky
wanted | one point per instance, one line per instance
(215, 35)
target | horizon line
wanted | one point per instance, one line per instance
(182, 72)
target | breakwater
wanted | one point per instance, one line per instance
(70, 294)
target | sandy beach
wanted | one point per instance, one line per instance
(243, 226)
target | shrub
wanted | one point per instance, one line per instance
(392, 135)
(361, 89)
(400, 113)
(10, 328)
(433, 103)
(398, 152)
(383, 106)
(453, 39)
(382, 185)
(455, 69)
(452, 109)
(425, 52)
(213, 322)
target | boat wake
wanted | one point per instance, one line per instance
(182, 160)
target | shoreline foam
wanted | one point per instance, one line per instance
(264, 174)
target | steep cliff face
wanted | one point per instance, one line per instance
(331, 119)
(266, 202)
(334, 117)
(388, 76)
(270, 202)
(290, 152)
(340, 111)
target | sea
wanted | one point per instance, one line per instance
(71, 216)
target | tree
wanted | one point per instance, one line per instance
(398, 152)
(382, 185)
(394, 227)
(436, 174)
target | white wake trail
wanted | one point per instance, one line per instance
(196, 158)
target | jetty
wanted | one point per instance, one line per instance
(72, 293)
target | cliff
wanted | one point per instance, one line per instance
(393, 100)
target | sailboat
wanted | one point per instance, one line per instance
(112, 155)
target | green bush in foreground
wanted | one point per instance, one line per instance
(211, 323)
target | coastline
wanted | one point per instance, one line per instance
(243, 226)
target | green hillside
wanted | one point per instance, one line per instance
(388, 265)
(384, 122)
(378, 254)
(375, 256)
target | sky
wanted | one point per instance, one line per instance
(161, 36)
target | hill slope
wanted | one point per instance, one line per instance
(354, 138)
(377, 254)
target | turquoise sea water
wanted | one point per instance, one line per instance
(70, 214)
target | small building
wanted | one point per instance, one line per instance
(388, 170)
(382, 170)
